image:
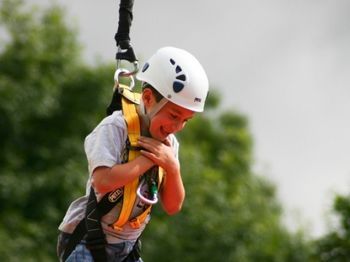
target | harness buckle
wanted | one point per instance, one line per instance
(135, 223)
(115, 227)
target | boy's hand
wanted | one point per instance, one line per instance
(161, 153)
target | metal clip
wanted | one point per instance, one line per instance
(121, 72)
(134, 71)
(144, 199)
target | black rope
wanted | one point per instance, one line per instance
(122, 37)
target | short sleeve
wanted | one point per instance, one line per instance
(104, 145)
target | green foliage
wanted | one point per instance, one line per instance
(335, 246)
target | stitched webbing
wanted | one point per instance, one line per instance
(133, 123)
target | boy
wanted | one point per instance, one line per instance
(174, 88)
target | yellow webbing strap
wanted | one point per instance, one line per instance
(129, 101)
(133, 123)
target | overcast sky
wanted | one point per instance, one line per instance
(283, 64)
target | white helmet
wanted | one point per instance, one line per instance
(177, 76)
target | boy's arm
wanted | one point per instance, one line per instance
(173, 192)
(106, 179)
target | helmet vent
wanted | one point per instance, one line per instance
(181, 77)
(145, 67)
(177, 86)
(178, 69)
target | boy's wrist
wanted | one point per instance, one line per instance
(174, 168)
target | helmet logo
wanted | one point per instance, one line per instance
(179, 82)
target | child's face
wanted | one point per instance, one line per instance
(169, 120)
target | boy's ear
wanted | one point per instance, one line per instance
(148, 97)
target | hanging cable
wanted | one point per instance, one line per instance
(124, 52)
(122, 37)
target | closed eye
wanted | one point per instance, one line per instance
(173, 116)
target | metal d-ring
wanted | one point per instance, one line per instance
(122, 72)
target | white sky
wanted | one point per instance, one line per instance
(283, 64)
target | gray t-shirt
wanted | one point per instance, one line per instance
(105, 146)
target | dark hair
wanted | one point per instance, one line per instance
(156, 94)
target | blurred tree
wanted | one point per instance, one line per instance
(49, 101)
(335, 246)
